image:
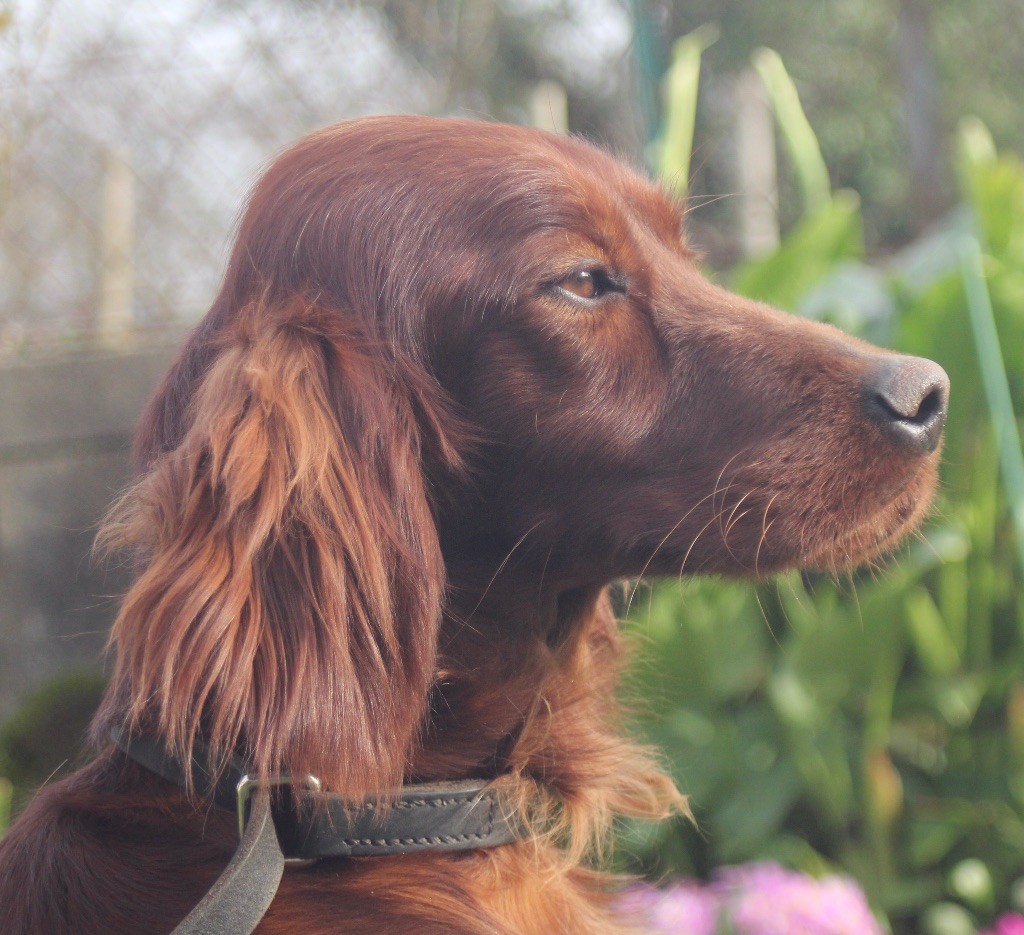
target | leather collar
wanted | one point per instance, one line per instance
(450, 816)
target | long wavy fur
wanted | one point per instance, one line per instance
(290, 585)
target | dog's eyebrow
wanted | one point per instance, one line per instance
(664, 215)
(659, 211)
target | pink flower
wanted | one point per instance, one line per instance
(757, 899)
(684, 908)
(1011, 923)
(766, 899)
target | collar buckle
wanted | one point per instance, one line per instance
(249, 784)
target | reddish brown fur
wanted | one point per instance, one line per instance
(381, 494)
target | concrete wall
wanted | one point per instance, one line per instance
(65, 435)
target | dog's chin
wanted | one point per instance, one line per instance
(875, 537)
(831, 543)
(868, 541)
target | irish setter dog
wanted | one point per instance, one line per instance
(460, 377)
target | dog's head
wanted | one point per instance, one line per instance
(441, 340)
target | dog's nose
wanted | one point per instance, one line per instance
(906, 397)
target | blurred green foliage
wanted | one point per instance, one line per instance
(45, 738)
(847, 60)
(876, 724)
(6, 794)
(850, 59)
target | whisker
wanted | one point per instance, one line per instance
(501, 567)
(665, 539)
(695, 204)
(765, 526)
(855, 597)
(543, 572)
(764, 617)
(730, 523)
(700, 532)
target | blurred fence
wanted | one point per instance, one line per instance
(65, 431)
(129, 133)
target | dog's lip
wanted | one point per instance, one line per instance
(872, 537)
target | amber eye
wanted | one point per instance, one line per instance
(589, 283)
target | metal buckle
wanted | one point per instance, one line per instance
(248, 783)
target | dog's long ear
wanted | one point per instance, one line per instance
(291, 580)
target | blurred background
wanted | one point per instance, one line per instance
(855, 161)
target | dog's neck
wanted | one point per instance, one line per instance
(521, 600)
(505, 642)
(526, 690)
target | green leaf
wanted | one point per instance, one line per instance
(994, 185)
(756, 810)
(6, 796)
(831, 234)
(673, 148)
(997, 389)
(971, 881)
(932, 642)
(947, 919)
(801, 142)
(931, 838)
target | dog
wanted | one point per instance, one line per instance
(459, 379)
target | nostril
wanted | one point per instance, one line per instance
(906, 397)
(928, 407)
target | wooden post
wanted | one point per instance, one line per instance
(114, 318)
(756, 168)
(922, 112)
(549, 107)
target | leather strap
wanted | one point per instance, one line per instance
(443, 816)
(148, 751)
(450, 816)
(241, 895)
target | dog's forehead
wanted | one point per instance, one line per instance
(585, 179)
(347, 206)
(527, 176)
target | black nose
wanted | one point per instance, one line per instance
(906, 397)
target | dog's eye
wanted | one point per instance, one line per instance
(589, 284)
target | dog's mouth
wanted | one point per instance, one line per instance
(875, 536)
(766, 540)
(793, 533)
